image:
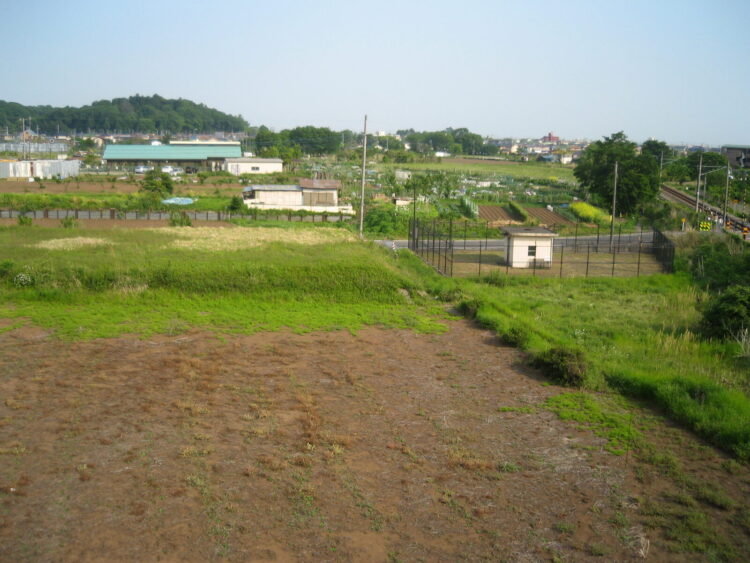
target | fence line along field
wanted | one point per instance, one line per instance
(253, 394)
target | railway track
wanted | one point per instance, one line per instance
(739, 226)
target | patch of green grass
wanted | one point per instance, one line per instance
(605, 420)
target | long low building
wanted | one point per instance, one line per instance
(320, 196)
(239, 166)
(46, 169)
(202, 155)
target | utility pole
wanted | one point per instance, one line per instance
(614, 209)
(726, 196)
(698, 185)
(362, 191)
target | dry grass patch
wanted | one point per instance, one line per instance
(72, 243)
(206, 238)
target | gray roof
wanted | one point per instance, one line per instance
(528, 232)
(271, 188)
(258, 160)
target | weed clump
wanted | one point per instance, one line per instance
(564, 365)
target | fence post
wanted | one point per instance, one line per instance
(562, 255)
(614, 254)
(588, 258)
(638, 269)
(450, 237)
(619, 238)
(575, 238)
(598, 227)
(480, 259)
(466, 224)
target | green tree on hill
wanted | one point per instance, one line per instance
(637, 176)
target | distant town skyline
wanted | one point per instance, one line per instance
(581, 69)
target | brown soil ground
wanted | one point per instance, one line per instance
(547, 217)
(387, 445)
(495, 215)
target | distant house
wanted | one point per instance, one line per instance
(738, 156)
(309, 195)
(529, 247)
(238, 166)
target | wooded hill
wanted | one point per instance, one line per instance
(137, 113)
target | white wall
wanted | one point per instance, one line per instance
(238, 168)
(518, 251)
(276, 198)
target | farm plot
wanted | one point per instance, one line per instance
(320, 446)
(547, 217)
(495, 215)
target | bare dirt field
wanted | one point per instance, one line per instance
(496, 215)
(547, 217)
(387, 445)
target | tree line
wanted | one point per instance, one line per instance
(640, 169)
(144, 114)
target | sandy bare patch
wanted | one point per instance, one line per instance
(204, 238)
(72, 243)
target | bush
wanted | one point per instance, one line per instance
(236, 205)
(24, 221)
(68, 223)
(728, 313)
(179, 219)
(564, 365)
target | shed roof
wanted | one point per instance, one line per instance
(308, 183)
(539, 232)
(250, 160)
(170, 152)
(271, 188)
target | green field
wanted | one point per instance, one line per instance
(534, 170)
(105, 283)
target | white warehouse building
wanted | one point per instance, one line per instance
(238, 166)
(39, 168)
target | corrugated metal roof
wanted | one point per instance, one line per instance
(170, 152)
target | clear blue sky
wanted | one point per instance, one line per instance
(676, 71)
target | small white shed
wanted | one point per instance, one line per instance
(529, 247)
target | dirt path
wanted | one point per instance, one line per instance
(387, 445)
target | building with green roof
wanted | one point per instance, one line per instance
(199, 155)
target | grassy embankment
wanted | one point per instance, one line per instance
(100, 284)
(635, 336)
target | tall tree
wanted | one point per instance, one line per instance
(658, 149)
(637, 176)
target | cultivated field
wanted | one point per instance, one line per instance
(290, 394)
(536, 170)
(547, 217)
